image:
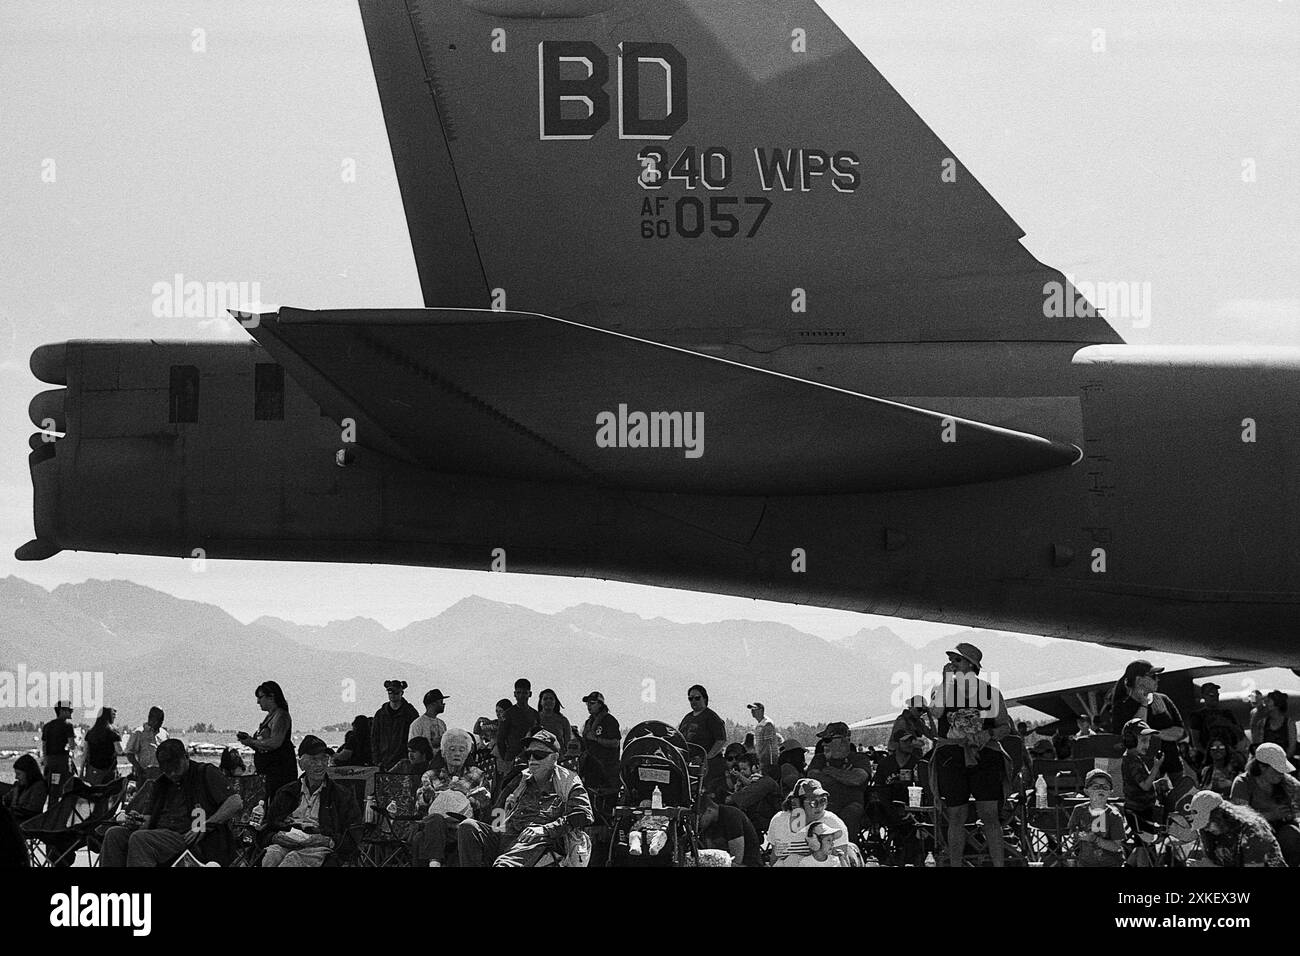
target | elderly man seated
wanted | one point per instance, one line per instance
(312, 817)
(533, 818)
(192, 808)
(453, 789)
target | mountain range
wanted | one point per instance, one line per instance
(201, 664)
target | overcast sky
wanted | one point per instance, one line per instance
(1122, 165)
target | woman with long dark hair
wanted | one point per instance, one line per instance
(1137, 696)
(1221, 768)
(1277, 727)
(103, 744)
(550, 714)
(272, 744)
(27, 796)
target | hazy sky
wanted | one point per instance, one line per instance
(1122, 165)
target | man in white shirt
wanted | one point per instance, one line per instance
(141, 748)
(428, 725)
(767, 742)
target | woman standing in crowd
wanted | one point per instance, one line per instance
(969, 760)
(1267, 788)
(1276, 727)
(550, 715)
(272, 744)
(103, 744)
(1136, 695)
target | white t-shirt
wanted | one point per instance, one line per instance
(430, 728)
(790, 846)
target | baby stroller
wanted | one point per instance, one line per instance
(656, 756)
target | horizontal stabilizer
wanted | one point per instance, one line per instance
(526, 396)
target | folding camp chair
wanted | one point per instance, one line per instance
(386, 841)
(252, 791)
(879, 841)
(73, 823)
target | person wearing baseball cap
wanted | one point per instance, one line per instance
(806, 806)
(598, 760)
(915, 719)
(56, 738)
(1139, 771)
(548, 804)
(390, 727)
(185, 791)
(1136, 695)
(1267, 787)
(322, 811)
(429, 725)
(844, 773)
(767, 742)
(1098, 826)
(1232, 835)
(899, 769)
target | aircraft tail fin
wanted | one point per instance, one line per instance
(680, 164)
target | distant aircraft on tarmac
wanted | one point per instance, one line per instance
(707, 306)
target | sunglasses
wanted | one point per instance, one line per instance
(538, 754)
(696, 697)
(817, 801)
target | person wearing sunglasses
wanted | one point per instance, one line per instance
(844, 773)
(546, 812)
(787, 833)
(704, 728)
(1221, 768)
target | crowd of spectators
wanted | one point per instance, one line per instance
(527, 785)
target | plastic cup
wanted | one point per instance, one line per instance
(913, 796)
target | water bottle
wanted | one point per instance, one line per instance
(1040, 793)
(258, 815)
(656, 798)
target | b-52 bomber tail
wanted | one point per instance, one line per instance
(707, 306)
